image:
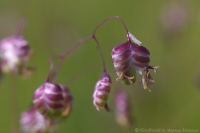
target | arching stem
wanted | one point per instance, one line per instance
(101, 53)
(63, 56)
(112, 17)
(92, 36)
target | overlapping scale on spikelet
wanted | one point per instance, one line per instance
(102, 89)
(68, 100)
(140, 56)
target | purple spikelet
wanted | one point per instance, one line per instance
(32, 121)
(49, 101)
(123, 63)
(122, 109)
(102, 89)
(130, 57)
(141, 60)
(15, 53)
(17, 44)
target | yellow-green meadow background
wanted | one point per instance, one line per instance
(55, 25)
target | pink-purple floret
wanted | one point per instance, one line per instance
(52, 87)
(17, 44)
(122, 57)
(141, 59)
(140, 49)
(29, 117)
(121, 101)
(54, 97)
(52, 100)
(32, 121)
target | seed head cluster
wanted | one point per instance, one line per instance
(53, 102)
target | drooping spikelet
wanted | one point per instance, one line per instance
(14, 54)
(141, 60)
(131, 57)
(49, 101)
(102, 89)
(32, 121)
(17, 44)
(122, 109)
(123, 62)
(53, 101)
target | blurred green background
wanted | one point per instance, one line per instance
(169, 29)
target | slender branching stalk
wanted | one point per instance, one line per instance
(92, 36)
